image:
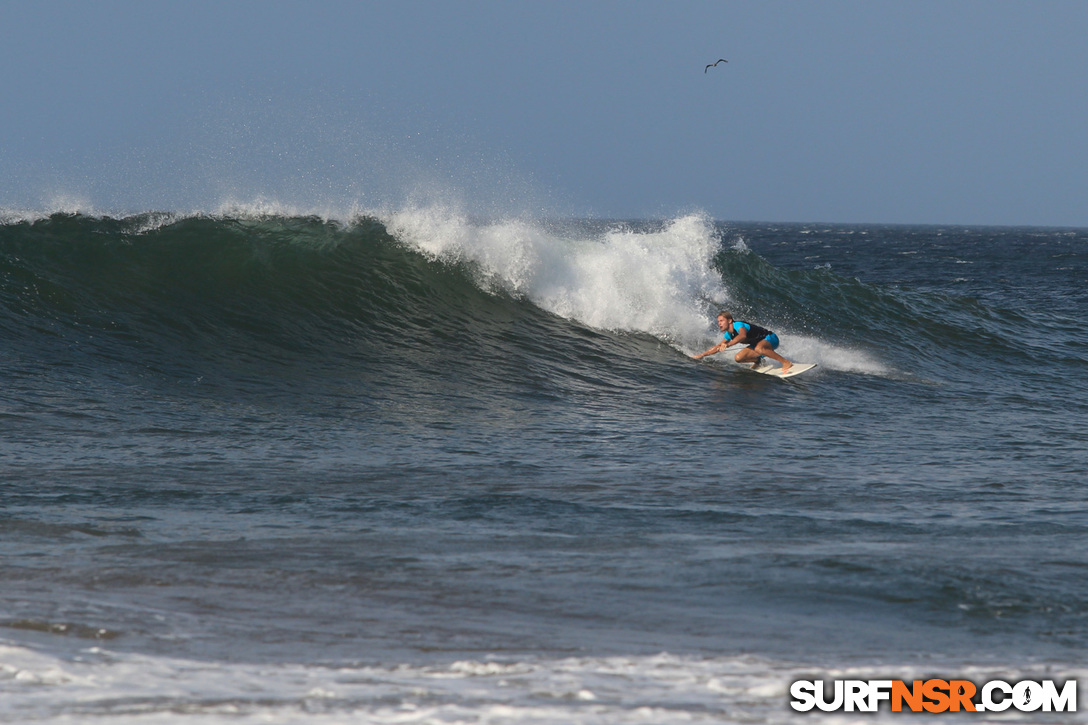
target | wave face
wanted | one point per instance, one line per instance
(434, 291)
(265, 290)
(170, 290)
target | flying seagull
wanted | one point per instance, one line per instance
(720, 60)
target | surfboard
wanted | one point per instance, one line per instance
(767, 369)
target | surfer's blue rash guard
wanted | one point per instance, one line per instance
(755, 333)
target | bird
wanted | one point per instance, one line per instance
(720, 60)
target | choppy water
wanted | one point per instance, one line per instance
(416, 467)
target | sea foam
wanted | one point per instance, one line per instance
(99, 685)
(660, 281)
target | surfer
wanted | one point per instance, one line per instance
(760, 342)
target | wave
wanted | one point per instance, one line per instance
(148, 273)
(430, 289)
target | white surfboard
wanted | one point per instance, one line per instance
(796, 369)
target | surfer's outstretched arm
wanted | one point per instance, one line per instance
(717, 348)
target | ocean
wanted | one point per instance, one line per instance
(413, 466)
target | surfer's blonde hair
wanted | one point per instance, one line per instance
(726, 315)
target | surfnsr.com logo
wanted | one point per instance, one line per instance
(934, 695)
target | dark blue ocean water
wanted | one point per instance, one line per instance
(417, 467)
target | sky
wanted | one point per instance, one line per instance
(919, 111)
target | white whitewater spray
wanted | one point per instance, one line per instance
(660, 281)
(657, 280)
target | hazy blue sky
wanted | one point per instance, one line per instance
(942, 111)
